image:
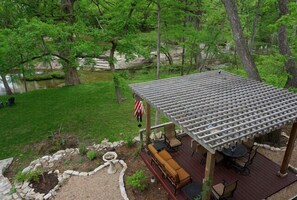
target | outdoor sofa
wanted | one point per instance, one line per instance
(170, 169)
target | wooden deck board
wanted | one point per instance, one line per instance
(260, 184)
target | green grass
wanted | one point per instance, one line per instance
(89, 111)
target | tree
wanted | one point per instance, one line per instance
(240, 43)
(284, 47)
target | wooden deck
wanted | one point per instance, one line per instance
(260, 184)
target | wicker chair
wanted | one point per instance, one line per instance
(171, 138)
(224, 190)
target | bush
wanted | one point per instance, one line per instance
(91, 155)
(28, 176)
(138, 180)
(82, 149)
(129, 141)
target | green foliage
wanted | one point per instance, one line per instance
(206, 188)
(12, 190)
(66, 162)
(138, 180)
(129, 141)
(137, 152)
(82, 149)
(28, 176)
(91, 155)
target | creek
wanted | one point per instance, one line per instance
(18, 86)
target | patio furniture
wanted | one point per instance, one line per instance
(242, 164)
(159, 145)
(224, 190)
(170, 136)
(235, 151)
(10, 101)
(249, 144)
(192, 190)
(170, 169)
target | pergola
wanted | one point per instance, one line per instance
(219, 109)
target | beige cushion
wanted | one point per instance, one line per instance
(165, 155)
(173, 142)
(218, 190)
(173, 164)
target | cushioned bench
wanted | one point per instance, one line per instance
(170, 168)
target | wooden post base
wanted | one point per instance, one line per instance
(279, 174)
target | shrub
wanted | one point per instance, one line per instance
(129, 141)
(91, 155)
(82, 149)
(28, 176)
(138, 180)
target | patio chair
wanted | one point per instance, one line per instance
(249, 144)
(224, 190)
(10, 101)
(243, 163)
(171, 138)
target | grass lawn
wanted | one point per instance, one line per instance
(89, 111)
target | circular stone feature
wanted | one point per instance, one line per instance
(109, 157)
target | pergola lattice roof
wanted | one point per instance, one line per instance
(219, 109)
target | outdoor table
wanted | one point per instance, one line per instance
(159, 145)
(192, 190)
(235, 152)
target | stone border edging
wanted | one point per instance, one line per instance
(24, 189)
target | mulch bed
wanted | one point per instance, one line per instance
(45, 183)
(134, 162)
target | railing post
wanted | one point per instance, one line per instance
(148, 123)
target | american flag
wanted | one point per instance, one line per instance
(138, 108)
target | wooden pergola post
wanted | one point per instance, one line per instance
(289, 150)
(209, 173)
(148, 124)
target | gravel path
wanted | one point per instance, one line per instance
(100, 186)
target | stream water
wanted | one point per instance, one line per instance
(18, 86)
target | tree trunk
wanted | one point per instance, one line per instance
(113, 70)
(71, 76)
(284, 47)
(158, 40)
(244, 54)
(6, 86)
(254, 30)
(169, 58)
(158, 53)
(183, 58)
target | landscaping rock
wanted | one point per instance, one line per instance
(66, 175)
(37, 166)
(25, 185)
(83, 174)
(46, 158)
(27, 169)
(4, 164)
(75, 173)
(49, 195)
(15, 196)
(39, 196)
